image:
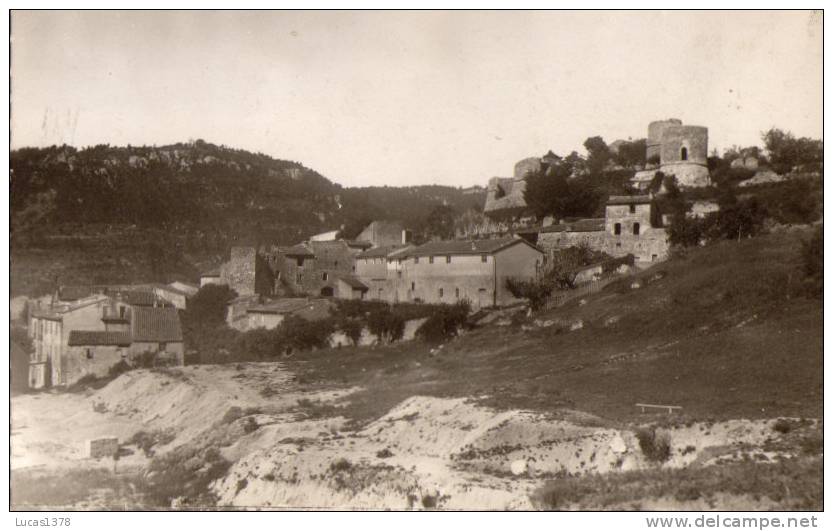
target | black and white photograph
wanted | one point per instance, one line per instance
(417, 260)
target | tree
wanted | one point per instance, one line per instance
(439, 223)
(553, 192)
(631, 154)
(598, 154)
(787, 152)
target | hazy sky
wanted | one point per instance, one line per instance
(374, 98)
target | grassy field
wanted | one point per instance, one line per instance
(725, 332)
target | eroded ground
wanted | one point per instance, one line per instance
(250, 436)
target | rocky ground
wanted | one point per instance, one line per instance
(277, 445)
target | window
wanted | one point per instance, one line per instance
(633, 209)
(380, 294)
(416, 259)
(335, 263)
(430, 259)
(684, 153)
(456, 293)
(618, 244)
(484, 258)
(636, 229)
(299, 261)
(399, 274)
(653, 258)
(298, 278)
(121, 312)
(441, 293)
(617, 229)
(413, 286)
(89, 354)
(448, 259)
(324, 276)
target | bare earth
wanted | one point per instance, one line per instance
(426, 452)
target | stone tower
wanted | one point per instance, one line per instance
(682, 151)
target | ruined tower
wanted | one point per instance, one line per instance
(680, 150)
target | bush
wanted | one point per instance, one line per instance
(185, 472)
(445, 323)
(536, 292)
(386, 325)
(340, 465)
(352, 328)
(655, 446)
(118, 369)
(146, 440)
(782, 426)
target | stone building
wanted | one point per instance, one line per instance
(90, 335)
(632, 225)
(384, 233)
(449, 271)
(678, 150)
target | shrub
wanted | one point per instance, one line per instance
(352, 328)
(298, 333)
(386, 325)
(340, 465)
(782, 426)
(812, 258)
(536, 292)
(118, 369)
(445, 323)
(185, 472)
(655, 446)
(146, 440)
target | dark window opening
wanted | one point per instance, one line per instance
(89, 354)
(484, 258)
(617, 229)
(456, 293)
(441, 293)
(413, 286)
(326, 291)
(324, 276)
(430, 259)
(448, 259)
(684, 154)
(633, 209)
(636, 229)
(299, 261)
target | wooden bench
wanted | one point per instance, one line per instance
(656, 406)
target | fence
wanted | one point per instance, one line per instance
(582, 290)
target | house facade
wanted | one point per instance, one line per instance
(446, 272)
(632, 225)
(92, 334)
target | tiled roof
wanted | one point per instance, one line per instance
(458, 247)
(140, 298)
(381, 252)
(212, 273)
(155, 324)
(628, 199)
(582, 225)
(358, 243)
(353, 282)
(279, 306)
(298, 250)
(98, 337)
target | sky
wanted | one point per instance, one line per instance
(405, 98)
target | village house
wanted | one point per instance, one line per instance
(90, 335)
(270, 315)
(445, 272)
(632, 226)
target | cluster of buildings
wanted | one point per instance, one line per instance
(380, 264)
(85, 330)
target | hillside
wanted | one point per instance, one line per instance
(101, 212)
(530, 412)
